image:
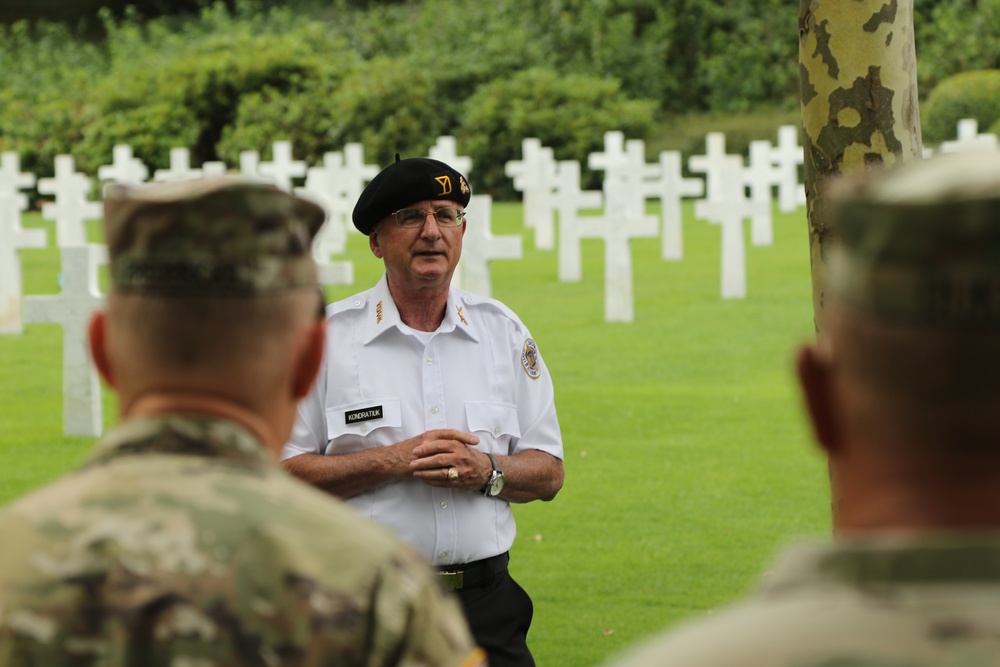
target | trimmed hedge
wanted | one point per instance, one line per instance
(966, 95)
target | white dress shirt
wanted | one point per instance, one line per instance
(382, 383)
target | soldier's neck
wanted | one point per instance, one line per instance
(161, 403)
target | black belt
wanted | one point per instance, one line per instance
(476, 573)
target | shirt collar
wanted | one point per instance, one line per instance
(890, 560)
(191, 435)
(382, 314)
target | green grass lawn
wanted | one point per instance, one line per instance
(688, 460)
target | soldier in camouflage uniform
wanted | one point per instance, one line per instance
(903, 391)
(181, 543)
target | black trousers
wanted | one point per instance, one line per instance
(499, 613)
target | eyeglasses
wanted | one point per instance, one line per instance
(415, 217)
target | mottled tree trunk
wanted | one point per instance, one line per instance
(858, 78)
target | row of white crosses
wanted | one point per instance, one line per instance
(551, 188)
(336, 184)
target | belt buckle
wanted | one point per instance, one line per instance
(452, 580)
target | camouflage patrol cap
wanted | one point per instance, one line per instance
(405, 182)
(223, 235)
(921, 242)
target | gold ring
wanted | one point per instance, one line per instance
(452, 474)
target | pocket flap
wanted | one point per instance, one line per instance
(363, 417)
(494, 418)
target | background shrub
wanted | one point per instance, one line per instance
(569, 114)
(966, 95)
(389, 105)
(196, 96)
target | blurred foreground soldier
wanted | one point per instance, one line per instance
(434, 410)
(903, 394)
(181, 542)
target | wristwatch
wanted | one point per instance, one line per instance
(495, 485)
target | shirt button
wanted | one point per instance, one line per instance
(444, 505)
(443, 554)
(364, 429)
(496, 430)
(434, 409)
(430, 362)
(357, 303)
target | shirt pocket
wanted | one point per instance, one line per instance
(375, 422)
(496, 425)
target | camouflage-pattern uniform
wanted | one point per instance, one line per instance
(181, 542)
(918, 247)
(883, 602)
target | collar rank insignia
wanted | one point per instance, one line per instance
(529, 359)
(378, 313)
(461, 316)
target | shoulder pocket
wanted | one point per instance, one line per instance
(363, 417)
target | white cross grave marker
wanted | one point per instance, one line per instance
(969, 138)
(180, 167)
(788, 156)
(760, 176)
(124, 168)
(250, 164)
(712, 163)
(729, 211)
(335, 273)
(445, 150)
(214, 168)
(325, 186)
(12, 179)
(282, 167)
(534, 177)
(624, 218)
(13, 238)
(71, 309)
(671, 188)
(356, 172)
(480, 247)
(625, 171)
(71, 208)
(568, 200)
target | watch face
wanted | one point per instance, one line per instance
(496, 486)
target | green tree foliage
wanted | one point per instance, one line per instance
(395, 74)
(47, 74)
(955, 36)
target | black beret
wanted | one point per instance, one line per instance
(406, 182)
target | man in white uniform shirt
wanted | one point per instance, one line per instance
(434, 410)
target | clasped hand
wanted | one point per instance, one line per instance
(446, 458)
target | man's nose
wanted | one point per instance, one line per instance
(431, 227)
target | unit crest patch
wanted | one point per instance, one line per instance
(529, 359)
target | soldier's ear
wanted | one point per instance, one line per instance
(97, 337)
(816, 380)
